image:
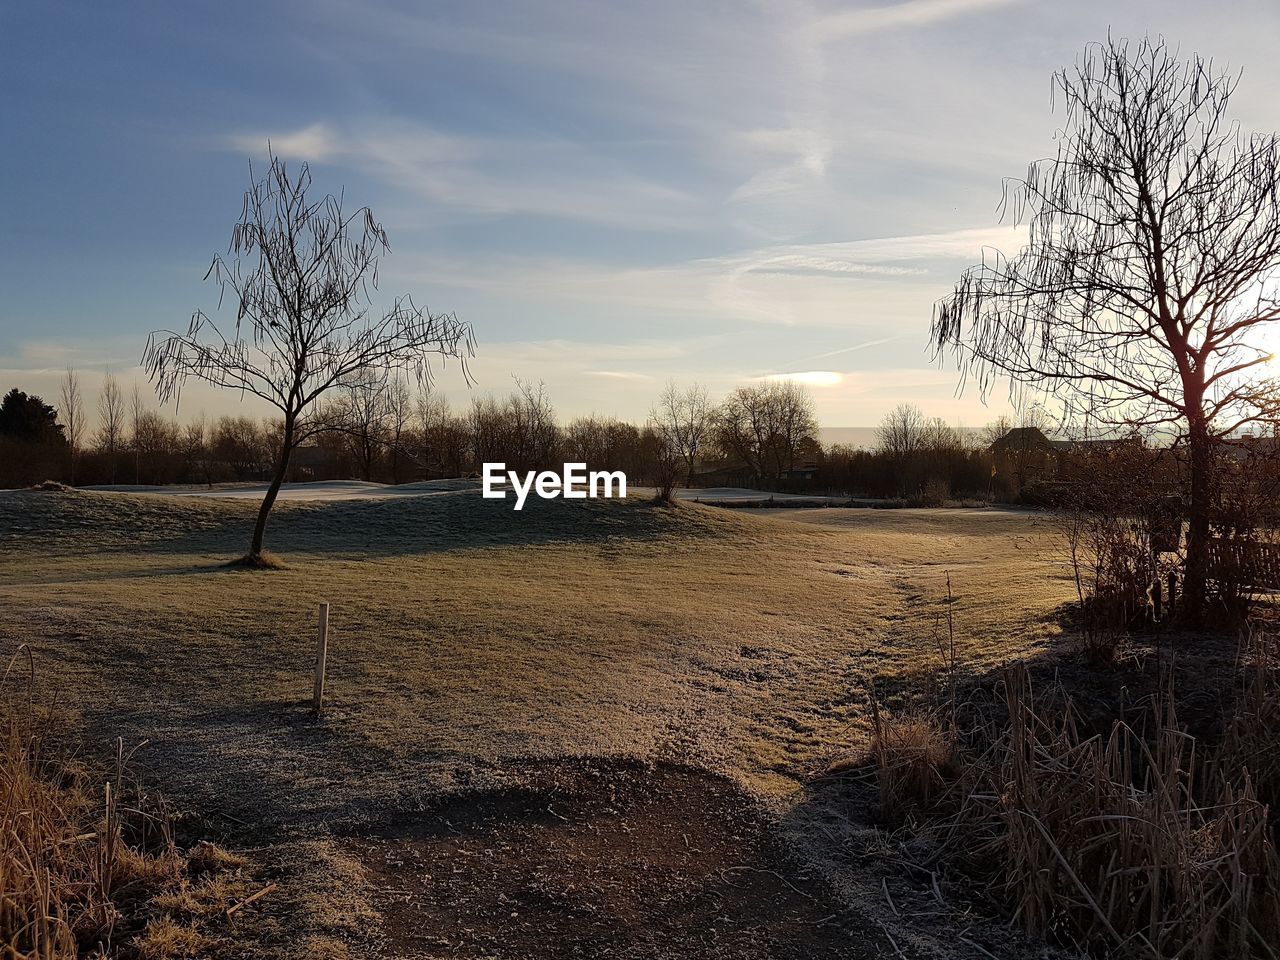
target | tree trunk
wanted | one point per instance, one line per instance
(1198, 516)
(268, 501)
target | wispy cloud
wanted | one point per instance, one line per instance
(913, 13)
(866, 345)
(808, 378)
(487, 177)
(857, 284)
(316, 143)
(620, 375)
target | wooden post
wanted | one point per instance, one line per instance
(1173, 591)
(1157, 608)
(322, 651)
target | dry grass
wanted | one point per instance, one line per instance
(466, 640)
(466, 636)
(1141, 842)
(915, 757)
(166, 939)
(86, 870)
(1251, 741)
(51, 486)
(265, 560)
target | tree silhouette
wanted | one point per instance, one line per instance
(1154, 241)
(28, 418)
(301, 272)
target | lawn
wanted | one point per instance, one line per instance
(472, 646)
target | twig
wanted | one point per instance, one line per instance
(979, 947)
(772, 873)
(250, 899)
(884, 886)
(556, 815)
(892, 942)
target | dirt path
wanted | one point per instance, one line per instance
(605, 860)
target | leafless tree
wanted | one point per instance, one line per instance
(763, 425)
(901, 432)
(110, 420)
(72, 418)
(900, 438)
(683, 419)
(443, 438)
(665, 465)
(533, 433)
(603, 443)
(359, 412)
(301, 272)
(241, 444)
(488, 429)
(137, 411)
(195, 448)
(399, 414)
(1150, 268)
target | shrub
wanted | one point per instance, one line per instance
(914, 757)
(1128, 842)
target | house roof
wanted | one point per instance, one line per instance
(1023, 439)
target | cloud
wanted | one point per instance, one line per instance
(39, 357)
(316, 143)
(805, 152)
(834, 283)
(808, 378)
(619, 375)
(858, 285)
(867, 345)
(913, 13)
(488, 177)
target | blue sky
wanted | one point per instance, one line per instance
(612, 193)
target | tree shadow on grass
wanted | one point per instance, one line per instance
(100, 524)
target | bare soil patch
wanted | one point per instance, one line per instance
(600, 860)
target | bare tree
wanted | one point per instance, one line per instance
(901, 432)
(534, 435)
(241, 444)
(995, 430)
(763, 425)
(72, 419)
(443, 438)
(488, 429)
(399, 413)
(195, 449)
(138, 411)
(301, 273)
(683, 419)
(110, 420)
(1150, 267)
(795, 423)
(900, 437)
(359, 413)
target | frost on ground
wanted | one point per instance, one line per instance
(472, 649)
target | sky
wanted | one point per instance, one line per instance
(613, 194)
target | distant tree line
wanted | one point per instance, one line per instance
(762, 435)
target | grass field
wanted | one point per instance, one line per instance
(472, 648)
